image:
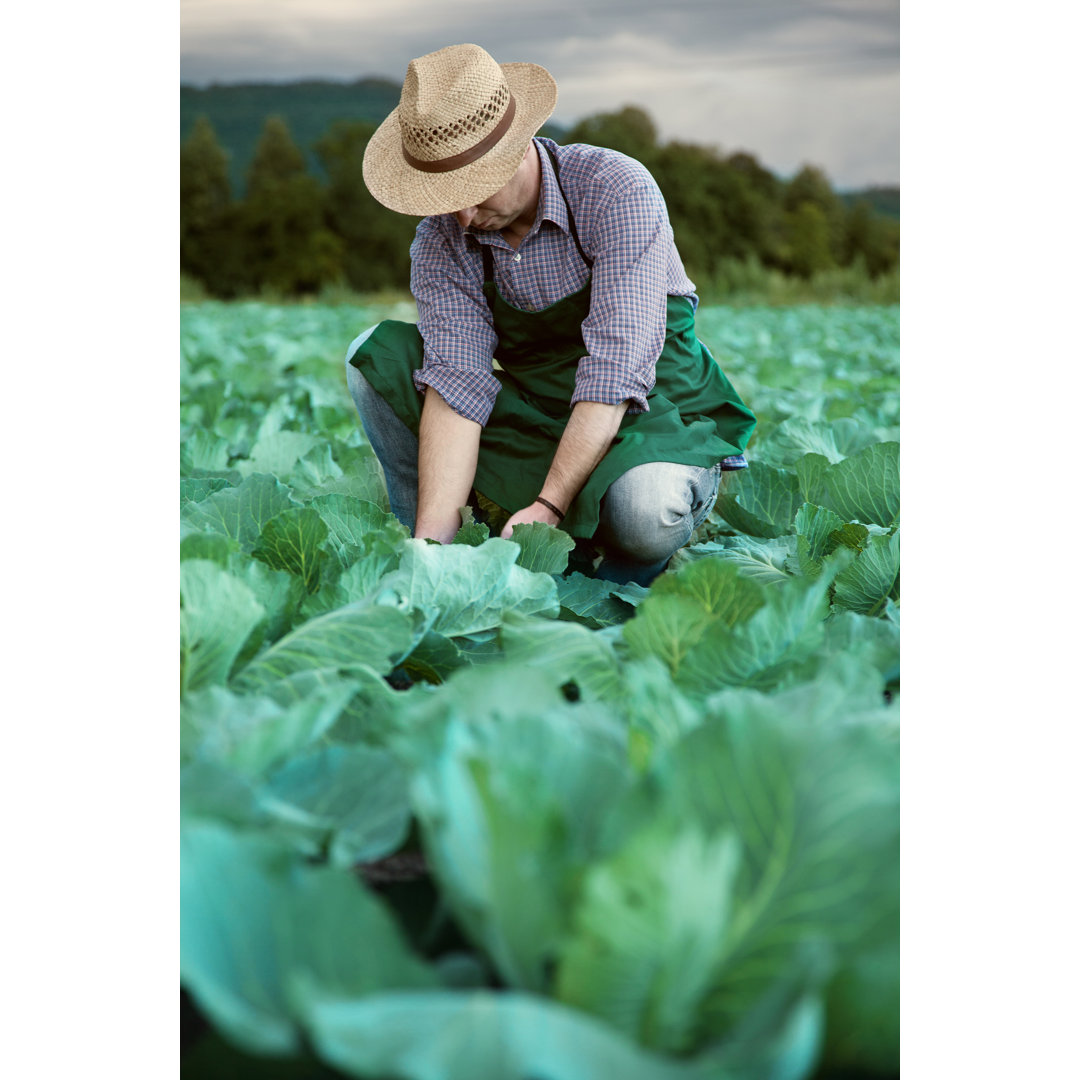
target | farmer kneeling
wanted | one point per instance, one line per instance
(605, 414)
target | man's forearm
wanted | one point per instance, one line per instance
(449, 445)
(589, 433)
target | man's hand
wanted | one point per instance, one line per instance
(535, 512)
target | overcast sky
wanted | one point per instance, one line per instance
(792, 81)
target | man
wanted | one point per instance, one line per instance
(605, 415)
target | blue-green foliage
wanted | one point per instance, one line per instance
(661, 825)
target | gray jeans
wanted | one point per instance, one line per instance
(646, 515)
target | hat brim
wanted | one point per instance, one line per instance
(400, 187)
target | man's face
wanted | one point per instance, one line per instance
(515, 200)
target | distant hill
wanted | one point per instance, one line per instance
(238, 111)
(884, 200)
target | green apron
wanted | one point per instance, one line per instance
(695, 416)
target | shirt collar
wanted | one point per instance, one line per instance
(552, 205)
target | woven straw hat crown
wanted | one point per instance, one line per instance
(459, 133)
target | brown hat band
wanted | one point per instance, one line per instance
(468, 156)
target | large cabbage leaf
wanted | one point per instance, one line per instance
(240, 512)
(257, 925)
(217, 613)
(512, 814)
(464, 590)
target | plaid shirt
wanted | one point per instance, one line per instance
(622, 223)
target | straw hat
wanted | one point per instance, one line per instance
(459, 133)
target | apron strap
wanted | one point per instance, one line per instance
(569, 213)
(490, 291)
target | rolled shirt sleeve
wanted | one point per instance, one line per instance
(456, 324)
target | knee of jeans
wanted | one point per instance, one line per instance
(644, 525)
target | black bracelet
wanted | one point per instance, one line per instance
(552, 507)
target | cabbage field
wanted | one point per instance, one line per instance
(467, 813)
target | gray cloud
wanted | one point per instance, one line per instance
(792, 81)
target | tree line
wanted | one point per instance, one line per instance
(296, 234)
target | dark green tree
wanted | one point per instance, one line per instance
(277, 158)
(209, 226)
(716, 211)
(887, 246)
(767, 191)
(810, 185)
(685, 174)
(870, 238)
(808, 233)
(766, 184)
(289, 246)
(375, 240)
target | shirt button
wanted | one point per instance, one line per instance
(517, 257)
